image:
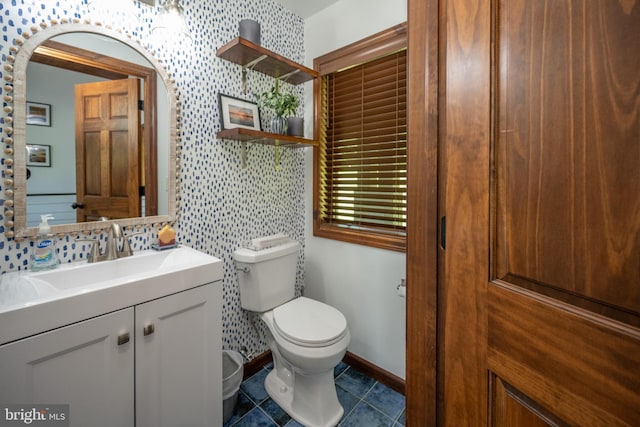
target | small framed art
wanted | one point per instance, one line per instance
(238, 113)
(38, 114)
(38, 155)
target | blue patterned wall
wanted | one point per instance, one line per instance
(221, 204)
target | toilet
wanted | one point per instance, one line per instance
(307, 338)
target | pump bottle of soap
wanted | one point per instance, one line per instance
(44, 256)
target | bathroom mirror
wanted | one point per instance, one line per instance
(53, 169)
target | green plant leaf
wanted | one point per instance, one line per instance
(282, 104)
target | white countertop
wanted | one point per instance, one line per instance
(31, 303)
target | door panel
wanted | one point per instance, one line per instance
(568, 151)
(120, 164)
(107, 149)
(564, 305)
(581, 366)
(512, 408)
(539, 180)
(92, 153)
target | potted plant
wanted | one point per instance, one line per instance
(282, 105)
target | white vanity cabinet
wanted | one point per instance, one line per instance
(179, 361)
(81, 365)
(166, 372)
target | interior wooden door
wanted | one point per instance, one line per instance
(539, 294)
(107, 149)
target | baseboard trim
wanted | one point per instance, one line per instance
(377, 373)
(257, 363)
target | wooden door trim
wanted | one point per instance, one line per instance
(422, 213)
(464, 197)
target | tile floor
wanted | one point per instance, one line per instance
(366, 402)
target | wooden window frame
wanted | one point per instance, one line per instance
(365, 50)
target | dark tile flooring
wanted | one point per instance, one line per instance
(366, 402)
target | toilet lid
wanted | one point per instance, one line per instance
(310, 323)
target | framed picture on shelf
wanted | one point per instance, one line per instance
(238, 113)
(39, 155)
(38, 114)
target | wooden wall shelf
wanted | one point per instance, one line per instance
(265, 138)
(251, 56)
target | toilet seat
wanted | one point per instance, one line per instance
(309, 323)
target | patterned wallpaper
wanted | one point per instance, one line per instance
(221, 203)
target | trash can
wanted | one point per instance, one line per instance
(232, 370)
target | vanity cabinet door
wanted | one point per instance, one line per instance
(179, 359)
(88, 365)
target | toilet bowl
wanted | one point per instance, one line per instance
(307, 338)
(302, 381)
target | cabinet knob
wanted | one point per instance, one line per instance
(123, 338)
(148, 330)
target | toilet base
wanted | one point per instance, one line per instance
(316, 402)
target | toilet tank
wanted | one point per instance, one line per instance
(267, 277)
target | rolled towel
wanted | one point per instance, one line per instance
(268, 241)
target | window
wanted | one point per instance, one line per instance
(360, 165)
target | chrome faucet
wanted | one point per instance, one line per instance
(111, 251)
(115, 234)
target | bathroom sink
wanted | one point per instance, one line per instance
(123, 270)
(18, 289)
(36, 301)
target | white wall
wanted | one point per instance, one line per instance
(358, 280)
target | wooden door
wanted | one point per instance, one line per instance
(539, 286)
(107, 149)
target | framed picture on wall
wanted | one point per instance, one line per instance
(38, 114)
(238, 113)
(39, 155)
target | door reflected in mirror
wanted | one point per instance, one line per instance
(108, 131)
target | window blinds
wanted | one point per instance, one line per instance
(363, 146)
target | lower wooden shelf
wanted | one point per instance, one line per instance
(265, 138)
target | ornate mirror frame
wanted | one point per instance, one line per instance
(14, 138)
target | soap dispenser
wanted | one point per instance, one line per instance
(44, 256)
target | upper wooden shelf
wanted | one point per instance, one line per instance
(250, 55)
(267, 138)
